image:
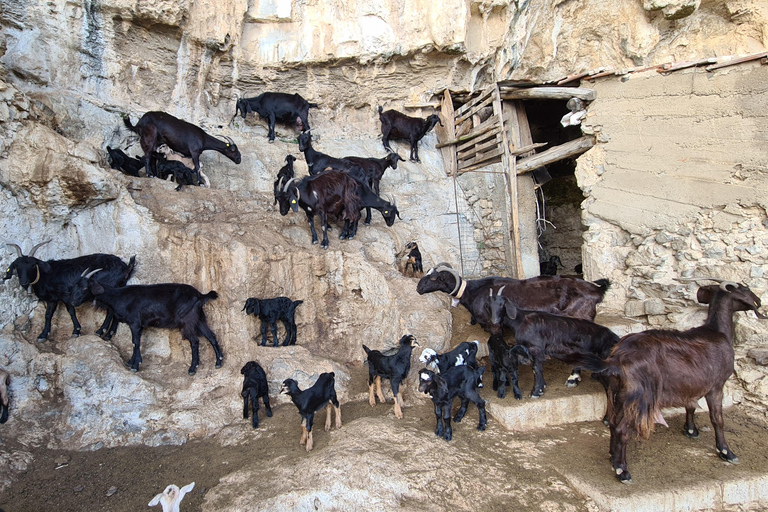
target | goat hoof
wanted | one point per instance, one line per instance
(271, 141)
(481, 427)
(518, 396)
(693, 433)
(41, 339)
(75, 334)
(314, 242)
(728, 456)
(269, 414)
(134, 370)
(218, 363)
(192, 371)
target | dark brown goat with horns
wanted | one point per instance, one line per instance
(654, 369)
(158, 128)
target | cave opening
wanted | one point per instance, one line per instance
(558, 213)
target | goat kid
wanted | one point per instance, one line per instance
(395, 125)
(272, 310)
(504, 365)
(461, 381)
(168, 306)
(53, 281)
(394, 367)
(547, 335)
(654, 369)
(277, 106)
(549, 267)
(119, 161)
(321, 394)
(464, 354)
(284, 175)
(171, 497)
(5, 382)
(255, 386)
(158, 128)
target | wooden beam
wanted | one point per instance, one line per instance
(479, 139)
(550, 93)
(447, 132)
(475, 108)
(571, 148)
(747, 58)
(474, 101)
(479, 149)
(495, 153)
(482, 164)
(488, 124)
(526, 149)
(509, 164)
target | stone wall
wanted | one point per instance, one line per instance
(678, 186)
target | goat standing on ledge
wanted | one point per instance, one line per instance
(277, 106)
(158, 128)
(272, 310)
(321, 393)
(395, 125)
(461, 381)
(464, 353)
(654, 369)
(394, 367)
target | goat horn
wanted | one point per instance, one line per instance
(35, 248)
(37, 267)
(723, 282)
(447, 268)
(501, 290)
(18, 249)
(90, 274)
(280, 183)
(288, 184)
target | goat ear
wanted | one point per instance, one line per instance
(44, 266)
(156, 500)
(705, 293)
(511, 310)
(96, 287)
(184, 490)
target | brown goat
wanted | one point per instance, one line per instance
(654, 369)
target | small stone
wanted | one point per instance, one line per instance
(760, 356)
(62, 459)
(79, 488)
(112, 490)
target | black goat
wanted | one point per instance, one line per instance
(465, 353)
(330, 193)
(462, 381)
(54, 281)
(158, 128)
(272, 310)
(504, 365)
(549, 268)
(284, 175)
(318, 162)
(119, 161)
(374, 167)
(321, 394)
(168, 306)
(277, 106)
(5, 381)
(255, 386)
(165, 168)
(547, 335)
(395, 125)
(369, 199)
(651, 370)
(394, 367)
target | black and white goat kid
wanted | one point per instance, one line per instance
(465, 353)
(458, 381)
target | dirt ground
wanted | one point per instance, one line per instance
(125, 479)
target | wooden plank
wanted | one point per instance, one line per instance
(550, 93)
(474, 109)
(447, 132)
(481, 165)
(488, 124)
(482, 158)
(429, 104)
(479, 149)
(480, 138)
(526, 149)
(668, 68)
(509, 164)
(463, 109)
(571, 148)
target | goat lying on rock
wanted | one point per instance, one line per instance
(321, 394)
(119, 161)
(171, 497)
(272, 310)
(654, 369)
(461, 381)
(168, 306)
(5, 381)
(53, 281)
(255, 386)
(394, 367)
(395, 125)
(464, 353)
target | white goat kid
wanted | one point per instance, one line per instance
(171, 497)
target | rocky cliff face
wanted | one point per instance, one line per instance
(73, 68)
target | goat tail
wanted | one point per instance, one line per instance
(603, 284)
(380, 110)
(641, 407)
(128, 124)
(209, 296)
(131, 268)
